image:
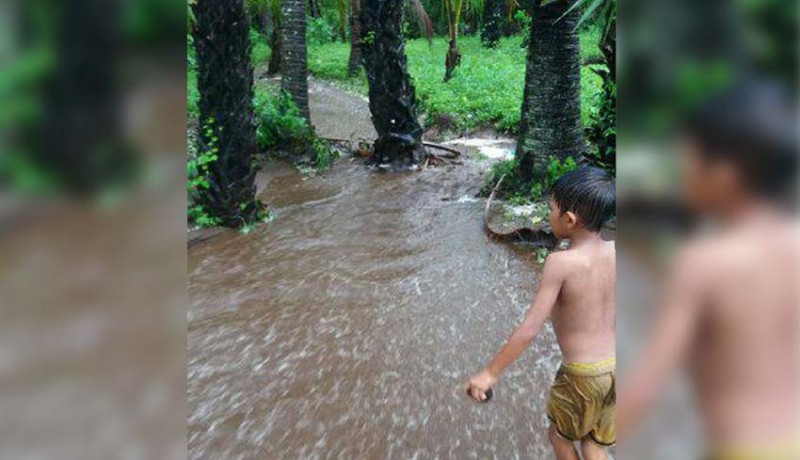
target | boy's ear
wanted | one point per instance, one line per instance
(572, 219)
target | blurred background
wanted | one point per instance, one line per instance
(92, 208)
(92, 233)
(673, 56)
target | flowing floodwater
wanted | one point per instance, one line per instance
(344, 328)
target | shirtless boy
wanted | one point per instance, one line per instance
(578, 292)
(731, 313)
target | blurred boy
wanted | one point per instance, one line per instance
(578, 291)
(731, 308)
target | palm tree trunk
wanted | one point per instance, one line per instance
(493, 16)
(550, 122)
(453, 58)
(294, 79)
(392, 100)
(78, 140)
(276, 48)
(314, 4)
(355, 37)
(225, 82)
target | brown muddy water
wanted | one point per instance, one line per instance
(344, 328)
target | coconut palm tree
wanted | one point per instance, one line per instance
(550, 122)
(225, 82)
(453, 9)
(262, 13)
(493, 16)
(392, 100)
(355, 37)
(294, 77)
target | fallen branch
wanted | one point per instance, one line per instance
(442, 147)
(431, 158)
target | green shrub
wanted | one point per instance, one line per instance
(319, 32)
(514, 189)
(197, 170)
(278, 121)
(602, 129)
(557, 168)
(279, 127)
(192, 94)
(259, 51)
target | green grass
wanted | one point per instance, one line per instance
(487, 88)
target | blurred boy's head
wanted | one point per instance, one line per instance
(583, 199)
(742, 145)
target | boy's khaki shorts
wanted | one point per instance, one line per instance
(582, 402)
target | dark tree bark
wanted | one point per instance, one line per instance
(355, 37)
(225, 83)
(276, 48)
(314, 6)
(493, 17)
(294, 78)
(453, 57)
(550, 122)
(391, 94)
(79, 141)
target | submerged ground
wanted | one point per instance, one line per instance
(344, 328)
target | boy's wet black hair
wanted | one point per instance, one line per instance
(754, 125)
(588, 192)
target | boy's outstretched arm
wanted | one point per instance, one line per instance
(669, 342)
(523, 335)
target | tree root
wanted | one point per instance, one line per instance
(431, 159)
(539, 235)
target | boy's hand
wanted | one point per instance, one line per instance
(479, 384)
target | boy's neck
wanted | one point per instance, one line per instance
(582, 237)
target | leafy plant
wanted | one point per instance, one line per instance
(280, 128)
(557, 168)
(319, 32)
(260, 51)
(602, 129)
(197, 170)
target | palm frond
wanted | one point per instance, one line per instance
(607, 14)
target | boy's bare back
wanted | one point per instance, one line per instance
(585, 311)
(745, 345)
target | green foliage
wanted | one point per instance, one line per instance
(601, 13)
(541, 255)
(259, 51)
(557, 168)
(319, 32)
(149, 22)
(280, 128)
(324, 154)
(525, 20)
(514, 190)
(197, 170)
(497, 170)
(278, 121)
(602, 129)
(192, 93)
(486, 92)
